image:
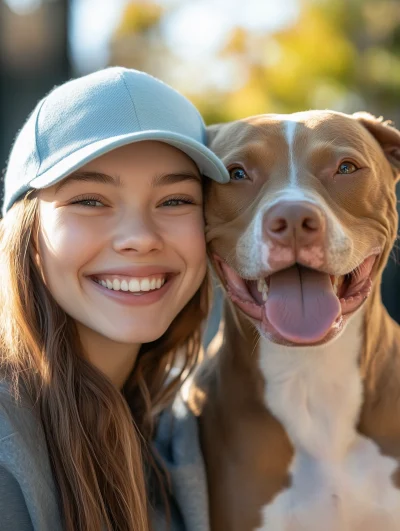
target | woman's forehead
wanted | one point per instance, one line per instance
(145, 154)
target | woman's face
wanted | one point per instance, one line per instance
(121, 241)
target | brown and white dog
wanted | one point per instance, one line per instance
(299, 410)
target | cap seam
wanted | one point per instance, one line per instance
(36, 137)
(130, 97)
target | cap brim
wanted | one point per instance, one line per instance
(207, 162)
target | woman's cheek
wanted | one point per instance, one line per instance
(191, 236)
(67, 244)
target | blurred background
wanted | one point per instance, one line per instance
(232, 58)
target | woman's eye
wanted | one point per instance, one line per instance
(88, 202)
(177, 202)
(347, 167)
(238, 174)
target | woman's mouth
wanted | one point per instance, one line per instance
(132, 284)
(299, 305)
(133, 290)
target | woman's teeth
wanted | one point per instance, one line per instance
(134, 284)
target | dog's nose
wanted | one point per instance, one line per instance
(294, 224)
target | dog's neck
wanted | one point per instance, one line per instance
(380, 372)
(316, 391)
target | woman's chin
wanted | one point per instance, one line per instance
(135, 335)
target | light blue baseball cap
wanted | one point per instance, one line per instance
(86, 117)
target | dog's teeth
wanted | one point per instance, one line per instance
(265, 292)
(264, 296)
(335, 285)
(260, 284)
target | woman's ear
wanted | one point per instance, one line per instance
(386, 134)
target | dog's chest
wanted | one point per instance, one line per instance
(339, 479)
(354, 494)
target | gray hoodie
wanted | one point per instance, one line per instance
(28, 495)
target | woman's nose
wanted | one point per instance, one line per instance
(137, 234)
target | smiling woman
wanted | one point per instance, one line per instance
(103, 285)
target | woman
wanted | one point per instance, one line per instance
(102, 296)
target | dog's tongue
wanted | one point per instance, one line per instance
(301, 304)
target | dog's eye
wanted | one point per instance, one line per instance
(238, 174)
(347, 167)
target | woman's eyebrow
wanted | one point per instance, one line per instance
(89, 176)
(173, 178)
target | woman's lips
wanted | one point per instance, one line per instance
(144, 270)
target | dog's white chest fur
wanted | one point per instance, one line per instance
(339, 479)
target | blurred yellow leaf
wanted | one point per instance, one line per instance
(139, 17)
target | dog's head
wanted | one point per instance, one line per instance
(305, 226)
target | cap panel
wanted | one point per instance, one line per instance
(82, 112)
(160, 107)
(24, 162)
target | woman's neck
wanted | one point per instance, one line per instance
(115, 360)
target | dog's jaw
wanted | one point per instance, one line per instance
(350, 295)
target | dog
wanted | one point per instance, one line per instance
(299, 408)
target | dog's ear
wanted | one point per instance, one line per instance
(212, 131)
(386, 134)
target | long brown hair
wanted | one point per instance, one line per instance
(96, 441)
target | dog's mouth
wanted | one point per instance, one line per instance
(299, 305)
